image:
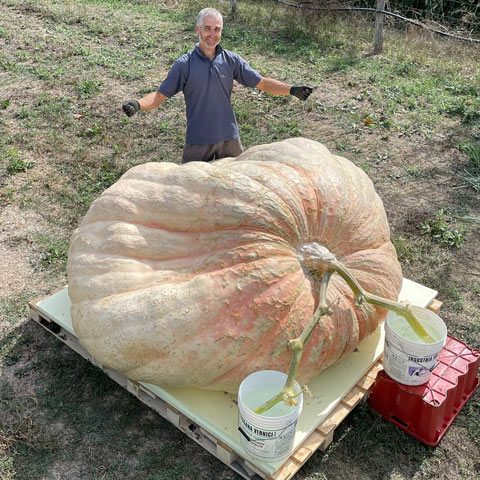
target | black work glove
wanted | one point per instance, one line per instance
(131, 107)
(301, 92)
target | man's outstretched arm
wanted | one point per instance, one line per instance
(148, 102)
(276, 87)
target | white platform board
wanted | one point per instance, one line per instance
(217, 413)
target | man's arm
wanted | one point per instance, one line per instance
(273, 87)
(148, 102)
(152, 101)
(276, 87)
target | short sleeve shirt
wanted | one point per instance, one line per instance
(207, 86)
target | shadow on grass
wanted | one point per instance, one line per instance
(61, 416)
(369, 448)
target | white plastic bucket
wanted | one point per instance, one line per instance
(269, 436)
(406, 358)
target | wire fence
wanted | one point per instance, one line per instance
(382, 9)
(459, 15)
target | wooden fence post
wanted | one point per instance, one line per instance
(233, 8)
(378, 48)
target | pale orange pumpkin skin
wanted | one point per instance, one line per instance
(188, 275)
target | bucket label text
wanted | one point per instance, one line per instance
(421, 359)
(256, 431)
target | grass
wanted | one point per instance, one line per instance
(12, 160)
(53, 252)
(409, 118)
(88, 88)
(441, 230)
(14, 308)
(471, 174)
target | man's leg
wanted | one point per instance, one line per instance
(229, 148)
(198, 153)
(206, 153)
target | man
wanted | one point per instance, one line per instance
(205, 75)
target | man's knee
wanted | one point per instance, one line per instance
(230, 148)
(197, 153)
(207, 153)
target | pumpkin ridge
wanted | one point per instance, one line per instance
(301, 220)
(359, 184)
(245, 363)
(280, 202)
(159, 226)
(337, 226)
(184, 277)
(287, 249)
(302, 171)
(286, 220)
(315, 234)
(155, 227)
(313, 188)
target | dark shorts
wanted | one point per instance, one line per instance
(206, 153)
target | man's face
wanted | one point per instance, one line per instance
(210, 32)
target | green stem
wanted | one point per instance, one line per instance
(363, 296)
(322, 264)
(288, 394)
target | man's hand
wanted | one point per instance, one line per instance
(131, 107)
(301, 92)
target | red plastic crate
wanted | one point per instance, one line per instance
(426, 411)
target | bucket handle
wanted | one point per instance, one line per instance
(434, 367)
(244, 434)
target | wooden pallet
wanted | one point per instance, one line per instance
(319, 439)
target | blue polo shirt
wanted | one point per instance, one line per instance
(207, 86)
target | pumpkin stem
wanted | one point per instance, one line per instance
(403, 309)
(288, 394)
(320, 262)
(316, 257)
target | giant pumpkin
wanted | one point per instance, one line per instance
(191, 274)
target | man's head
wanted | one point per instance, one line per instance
(209, 28)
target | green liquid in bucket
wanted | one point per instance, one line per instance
(404, 330)
(258, 397)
